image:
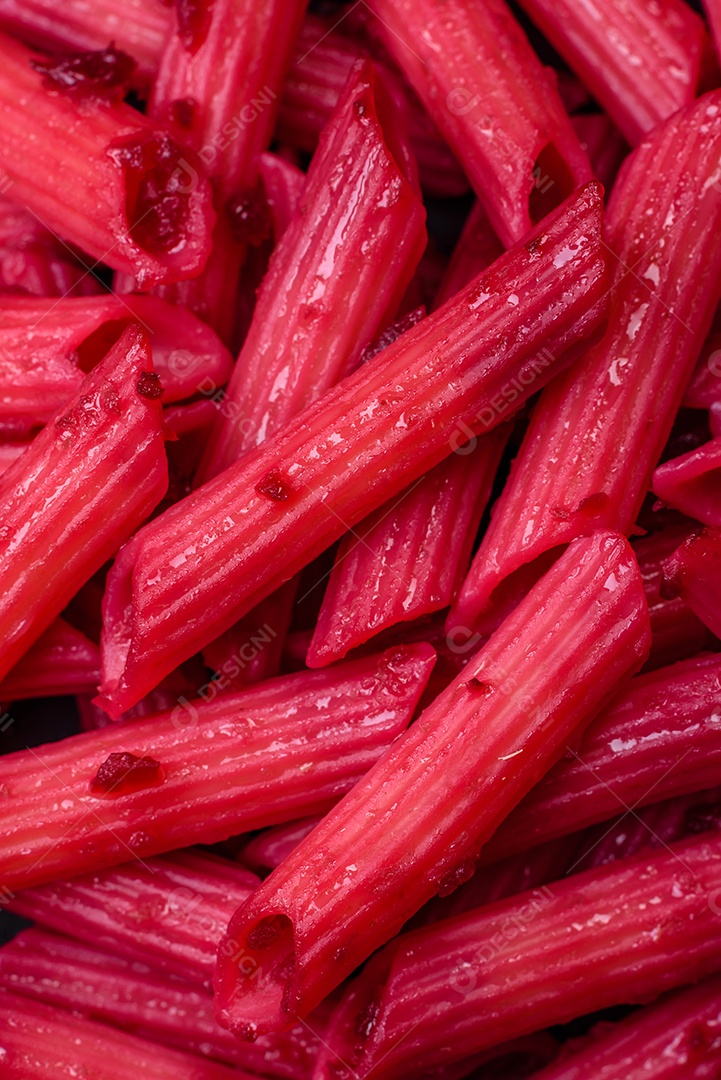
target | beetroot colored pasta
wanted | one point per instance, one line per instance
(33, 261)
(47, 345)
(692, 573)
(145, 1001)
(383, 851)
(123, 194)
(565, 483)
(217, 89)
(317, 303)
(650, 826)
(243, 534)
(524, 963)
(518, 873)
(251, 650)
(38, 1043)
(408, 558)
(203, 772)
(493, 102)
(138, 27)
(676, 632)
(660, 737)
(186, 899)
(105, 449)
(9, 452)
(62, 661)
(642, 62)
(269, 848)
(322, 61)
(295, 316)
(675, 1039)
(692, 483)
(229, 63)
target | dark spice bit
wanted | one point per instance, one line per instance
(103, 74)
(158, 189)
(275, 487)
(392, 332)
(122, 773)
(149, 385)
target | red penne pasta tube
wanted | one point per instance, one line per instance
(62, 661)
(34, 261)
(314, 315)
(213, 294)
(384, 851)
(42, 1043)
(619, 935)
(660, 737)
(650, 826)
(217, 89)
(145, 1001)
(408, 558)
(299, 344)
(46, 346)
(138, 27)
(244, 533)
(252, 649)
(507, 877)
(10, 452)
(106, 449)
(642, 62)
(692, 483)
(661, 220)
(322, 61)
(493, 102)
(122, 189)
(269, 848)
(674, 1039)
(693, 572)
(186, 898)
(203, 772)
(676, 633)
(228, 62)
